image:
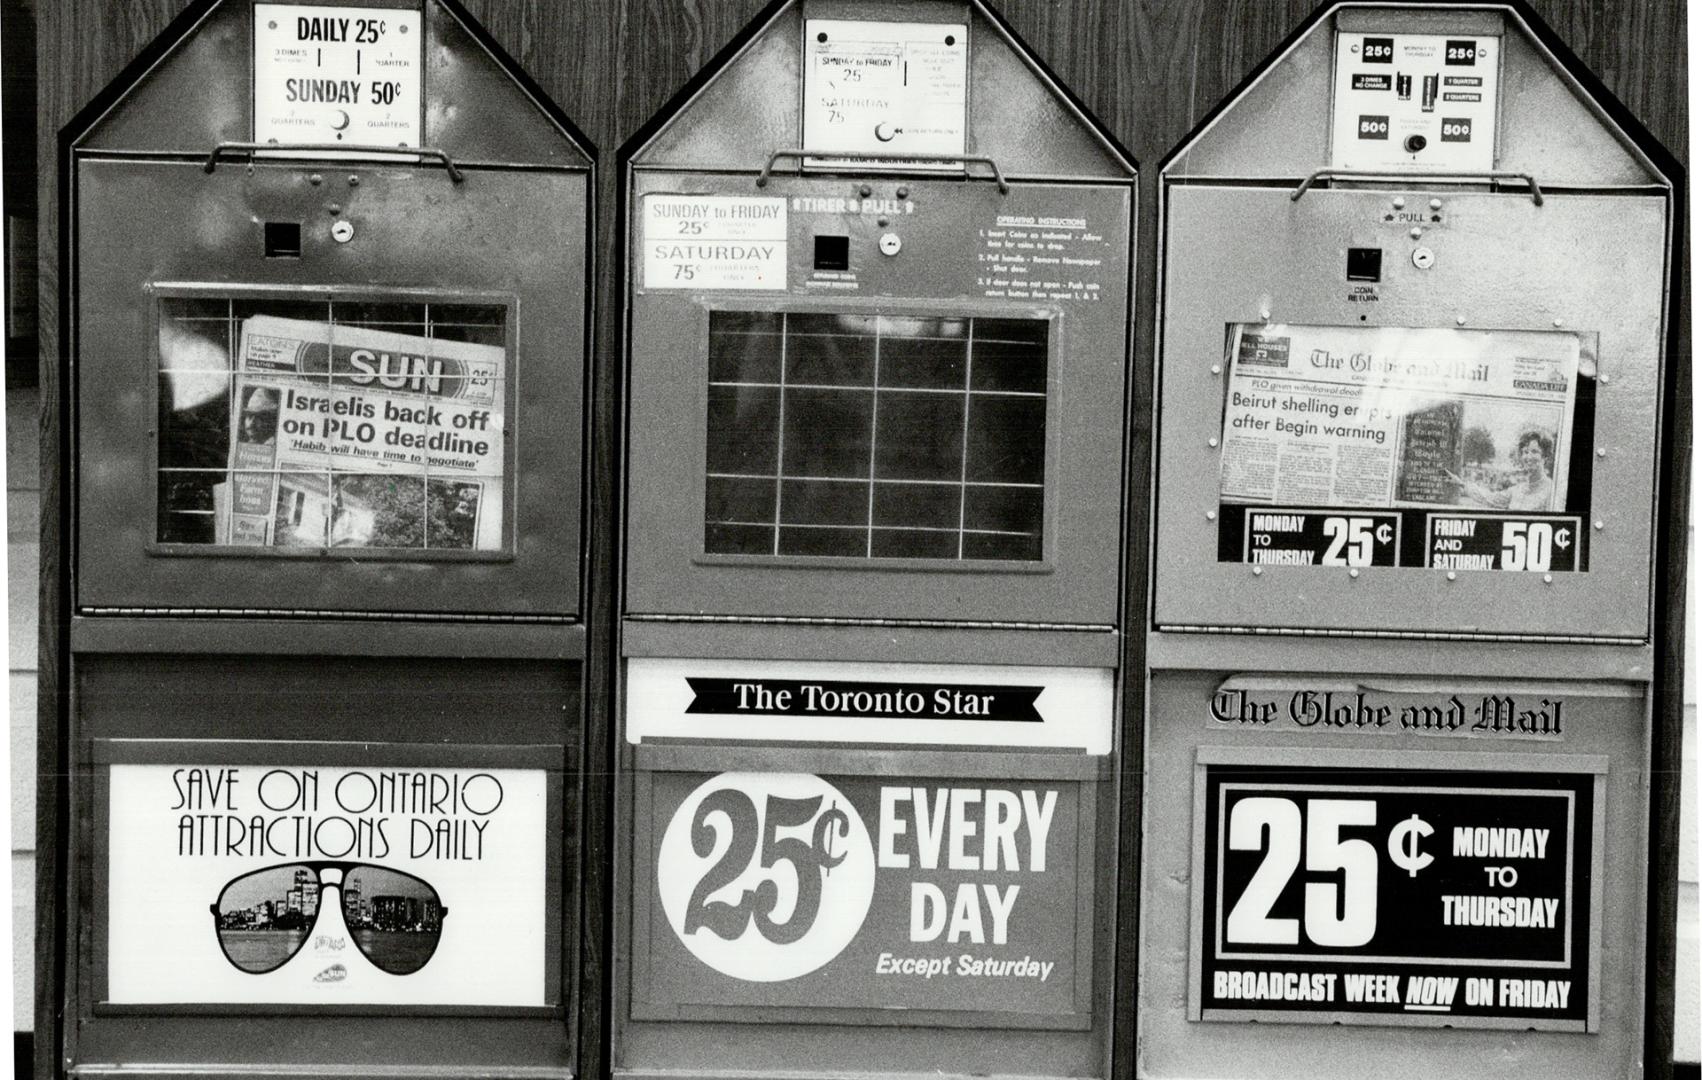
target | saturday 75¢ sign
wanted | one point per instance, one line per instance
(778, 889)
(1427, 896)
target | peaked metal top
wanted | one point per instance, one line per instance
(747, 103)
(191, 90)
(1556, 123)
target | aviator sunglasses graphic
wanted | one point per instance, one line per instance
(264, 917)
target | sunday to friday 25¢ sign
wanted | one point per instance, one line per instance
(714, 242)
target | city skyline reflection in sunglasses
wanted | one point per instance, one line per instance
(264, 917)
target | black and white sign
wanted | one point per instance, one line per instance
(1504, 542)
(337, 74)
(1341, 893)
(1292, 537)
(917, 704)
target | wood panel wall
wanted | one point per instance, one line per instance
(1150, 69)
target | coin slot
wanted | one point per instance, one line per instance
(283, 239)
(833, 253)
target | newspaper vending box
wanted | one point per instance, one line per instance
(325, 350)
(877, 330)
(1410, 422)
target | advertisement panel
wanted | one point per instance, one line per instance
(840, 894)
(1424, 894)
(326, 886)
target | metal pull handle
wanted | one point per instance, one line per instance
(920, 159)
(250, 148)
(1361, 174)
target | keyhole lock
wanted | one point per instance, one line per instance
(342, 231)
(1423, 258)
(890, 243)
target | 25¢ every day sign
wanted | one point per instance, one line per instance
(789, 889)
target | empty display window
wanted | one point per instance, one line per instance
(876, 436)
(321, 424)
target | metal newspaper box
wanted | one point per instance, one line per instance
(326, 351)
(1412, 316)
(878, 328)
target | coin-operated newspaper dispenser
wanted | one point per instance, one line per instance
(879, 279)
(326, 350)
(1410, 423)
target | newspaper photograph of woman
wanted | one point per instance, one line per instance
(1528, 484)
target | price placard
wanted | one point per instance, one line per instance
(1415, 101)
(1294, 537)
(1434, 896)
(714, 242)
(1515, 542)
(782, 891)
(337, 75)
(873, 88)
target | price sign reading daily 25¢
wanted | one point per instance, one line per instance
(337, 75)
(1338, 894)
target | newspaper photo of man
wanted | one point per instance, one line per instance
(258, 423)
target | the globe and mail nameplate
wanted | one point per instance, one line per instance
(911, 897)
(1518, 542)
(1311, 537)
(1432, 889)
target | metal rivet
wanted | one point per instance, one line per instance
(1211, 515)
(354, 181)
(1601, 525)
(1459, 320)
(882, 222)
(1353, 573)
(1435, 204)
(1212, 441)
(865, 191)
(1452, 576)
(1398, 202)
(1265, 314)
(1601, 451)
(334, 208)
(1548, 579)
(1217, 369)
(1415, 232)
(316, 179)
(1601, 380)
(1557, 322)
(1257, 570)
